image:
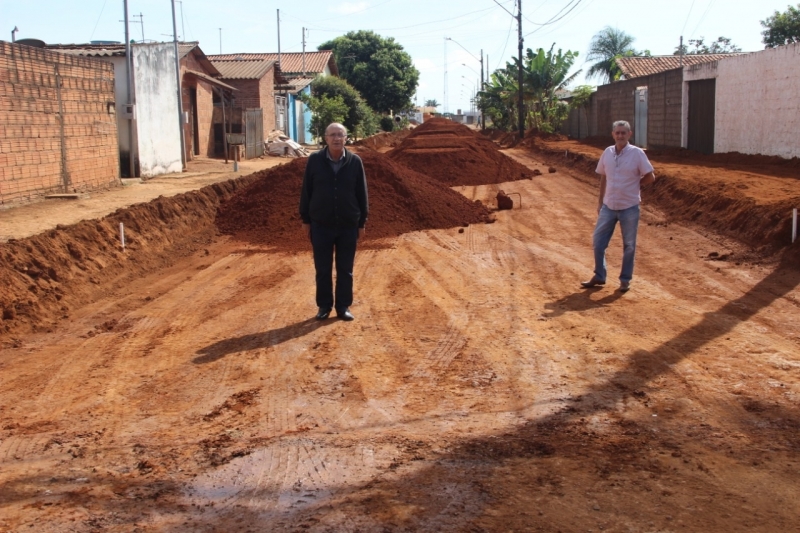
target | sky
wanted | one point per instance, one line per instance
(420, 26)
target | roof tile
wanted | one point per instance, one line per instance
(636, 67)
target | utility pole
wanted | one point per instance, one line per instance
(304, 52)
(444, 102)
(129, 71)
(279, 38)
(178, 78)
(520, 103)
(483, 119)
(220, 40)
(141, 22)
(681, 49)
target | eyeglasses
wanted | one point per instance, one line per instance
(336, 135)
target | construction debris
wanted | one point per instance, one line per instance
(278, 144)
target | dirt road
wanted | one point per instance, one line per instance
(478, 389)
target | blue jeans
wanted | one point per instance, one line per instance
(606, 222)
(327, 241)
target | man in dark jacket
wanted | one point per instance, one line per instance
(334, 208)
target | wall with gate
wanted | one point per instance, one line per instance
(58, 129)
(758, 103)
(617, 101)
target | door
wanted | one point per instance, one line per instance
(254, 133)
(301, 122)
(195, 125)
(640, 118)
(701, 115)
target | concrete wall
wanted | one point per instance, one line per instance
(57, 124)
(758, 103)
(157, 109)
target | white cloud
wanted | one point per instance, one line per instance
(349, 8)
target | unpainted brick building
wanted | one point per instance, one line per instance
(58, 131)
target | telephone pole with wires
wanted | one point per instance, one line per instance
(520, 103)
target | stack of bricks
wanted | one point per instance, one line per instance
(58, 130)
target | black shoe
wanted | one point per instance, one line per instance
(323, 313)
(624, 286)
(345, 314)
(592, 283)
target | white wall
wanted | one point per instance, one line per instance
(758, 103)
(159, 138)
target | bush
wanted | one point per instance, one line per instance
(387, 123)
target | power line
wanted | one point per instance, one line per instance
(711, 3)
(98, 19)
(687, 17)
(554, 20)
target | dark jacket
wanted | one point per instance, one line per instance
(338, 199)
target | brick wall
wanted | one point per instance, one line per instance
(50, 148)
(255, 94)
(664, 103)
(205, 109)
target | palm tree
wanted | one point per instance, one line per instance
(545, 74)
(432, 103)
(608, 44)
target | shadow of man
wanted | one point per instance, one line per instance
(253, 341)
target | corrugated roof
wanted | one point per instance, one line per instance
(242, 69)
(211, 80)
(291, 62)
(110, 50)
(636, 67)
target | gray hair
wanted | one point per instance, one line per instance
(623, 123)
(337, 126)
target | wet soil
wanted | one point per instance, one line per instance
(186, 387)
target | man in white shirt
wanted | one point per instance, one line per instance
(624, 169)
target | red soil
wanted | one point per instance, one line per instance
(455, 155)
(401, 200)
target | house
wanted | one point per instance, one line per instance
(298, 70)
(253, 110)
(149, 129)
(57, 124)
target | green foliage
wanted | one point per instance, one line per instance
(432, 103)
(722, 45)
(379, 68)
(359, 120)
(367, 121)
(581, 96)
(782, 28)
(544, 76)
(607, 45)
(325, 110)
(387, 123)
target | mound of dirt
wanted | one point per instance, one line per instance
(46, 276)
(455, 155)
(400, 200)
(384, 140)
(747, 197)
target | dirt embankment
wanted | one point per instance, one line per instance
(45, 277)
(455, 155)
(746, 197)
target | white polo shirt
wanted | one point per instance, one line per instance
(623, 174)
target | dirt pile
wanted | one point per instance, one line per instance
(46, 276)
(455, 155)
(400, 200)
(384, 140)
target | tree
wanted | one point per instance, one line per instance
(782, 28)
(606, 45)
(544, 75)
(332, 86)
(722, 45)
(377, 67)
(325, 110)
(432, 103)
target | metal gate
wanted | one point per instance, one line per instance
(701, 115)
(640, 117)
(254, 133)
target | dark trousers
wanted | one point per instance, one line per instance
(327, 242)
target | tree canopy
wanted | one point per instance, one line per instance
(722, 45)
(328, 94)
(606, 45)
(379, 68)
(782, 28)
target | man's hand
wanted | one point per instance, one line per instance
(647, 179)
(307, 230)
(361, 232)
